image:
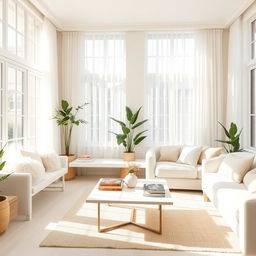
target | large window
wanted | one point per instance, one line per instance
(104, 85)
(15, 108)
(19, 82)
(170, 86)
(252, 108)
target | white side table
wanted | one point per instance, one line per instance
(106, 163)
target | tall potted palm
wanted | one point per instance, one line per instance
(66, 118)
(127, 137)
(4, 204)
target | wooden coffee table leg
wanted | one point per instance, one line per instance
(132, 221)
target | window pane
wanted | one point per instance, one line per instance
(11, 79)
(20, 123)
(1, 34)
(20, 46)
(253, 30)
(21, 20)
(253, 91)
(12, 13)
(20, 81)
(253, 127)
(19, 104)
(1, 9)
(11, 40)
(11, 127)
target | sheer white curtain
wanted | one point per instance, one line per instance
(184, 84)
(47, 132)
(104, 89)
(72, 82)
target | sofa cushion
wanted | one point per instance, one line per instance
(169, 153)
(226, 195)
(34, 167)
(190, 155)
(32, 155)
(51, 162)
(208, 153)
(236, 165)
(48, 179)
(250, 180)
(175, 170)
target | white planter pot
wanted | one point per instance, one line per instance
(131, 180)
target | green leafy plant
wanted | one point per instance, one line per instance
(2, 164)
(66, 117)
(133, 168)
(233, 137)
(127, 137)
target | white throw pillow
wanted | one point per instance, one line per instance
(236, 165)
(29, 165)
(169, 153)
(208, 153)
(250, 180)
(190, 155)
(31, 155)
(51, 162)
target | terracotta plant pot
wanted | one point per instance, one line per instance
(71, 170)
(4, 213)
(129, 156)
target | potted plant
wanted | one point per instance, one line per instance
(233, 137)
(127, 138)
(131, 179)
(66, 118)
(4, 204)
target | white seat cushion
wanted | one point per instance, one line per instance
(48, 179)
(176, 170)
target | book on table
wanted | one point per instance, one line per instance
(111, 184)
(154, 190)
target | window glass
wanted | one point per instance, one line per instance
(11, 13)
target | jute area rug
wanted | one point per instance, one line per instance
(189, 225)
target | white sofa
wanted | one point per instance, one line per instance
(20, 185)
(178, 175)
(234, 201)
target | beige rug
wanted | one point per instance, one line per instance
(188, 225)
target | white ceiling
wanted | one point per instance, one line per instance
(141, 14)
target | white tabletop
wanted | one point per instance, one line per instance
(105, 163)
(130, 195)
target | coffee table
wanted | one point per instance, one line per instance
(130, 196)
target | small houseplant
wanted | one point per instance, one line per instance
(66, 118)
(233, 137)
(127, 138)
(131, 179)
(4, 204)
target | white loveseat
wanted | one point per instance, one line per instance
(234, 201)
(20, 185)
(178, 175)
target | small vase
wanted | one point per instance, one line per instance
(131, 180)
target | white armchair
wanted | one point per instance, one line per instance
(177, 175)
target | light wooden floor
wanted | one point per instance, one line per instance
(23, 237)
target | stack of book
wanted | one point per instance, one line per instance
(154, 190)
(111, 184)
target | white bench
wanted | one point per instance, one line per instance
(105, 163)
